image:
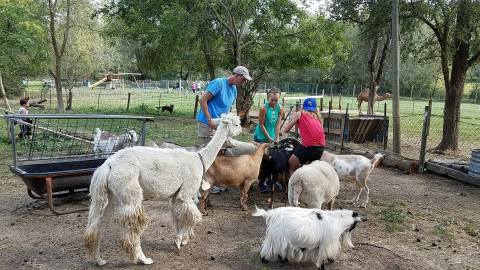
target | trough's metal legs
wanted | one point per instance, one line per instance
(49, 198)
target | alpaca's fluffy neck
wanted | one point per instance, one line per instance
(210, 151)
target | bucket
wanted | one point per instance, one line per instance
(474, 168)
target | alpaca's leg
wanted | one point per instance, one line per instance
(185, 215)
(134, 221)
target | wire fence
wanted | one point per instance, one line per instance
(174, 103)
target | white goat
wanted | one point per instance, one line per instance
(121, 183)
(301, 234)
(355, 167)
(107, 143)
(313, 185)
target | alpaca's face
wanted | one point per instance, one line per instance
(233, 123)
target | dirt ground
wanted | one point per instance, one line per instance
(415, 222)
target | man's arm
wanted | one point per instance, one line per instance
(204, 105)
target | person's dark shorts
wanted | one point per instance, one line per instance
(308, 153)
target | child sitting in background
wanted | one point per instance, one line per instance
(25, 130)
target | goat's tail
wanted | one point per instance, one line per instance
(376, 160)
(259, 212)
(99, 201)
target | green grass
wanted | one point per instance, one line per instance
(145, 102)
(393, 216)
(472, 229)
(445, 228)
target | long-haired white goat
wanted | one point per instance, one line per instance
(313, 185)
(106, 142)
(120, 184)
(355, 167)
(301, 234)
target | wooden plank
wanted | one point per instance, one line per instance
(365, 132)
(458, 175)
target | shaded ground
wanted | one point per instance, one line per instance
(415, 222)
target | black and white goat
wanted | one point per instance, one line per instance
(300, 235)
(105, 142)
(274, 167)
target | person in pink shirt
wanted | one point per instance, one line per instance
(311, 133)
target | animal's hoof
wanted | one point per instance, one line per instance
(244, 207)
(101, 262)
(264, 260)
(146, 261)
(331, 260)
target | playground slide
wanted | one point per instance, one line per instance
(99, 82)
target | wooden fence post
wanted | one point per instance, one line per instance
(328, 123)
(385, 127)
(425, 131)
(345, 129)
(197, 99)
(340, 102)
(98, 102)
(321, 104)
(128, 101)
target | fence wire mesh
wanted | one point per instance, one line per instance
(43, 137)
(176, 123)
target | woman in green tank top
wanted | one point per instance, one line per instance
(269, 119)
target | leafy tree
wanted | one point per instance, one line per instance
(21, 44)
(455, 26)
(269, 36)
(59, 24)
(205, 36)
(373, 20)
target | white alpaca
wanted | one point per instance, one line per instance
(107, 143)
(313, 185)
(355, 167)
(301, 234)
(121, 183)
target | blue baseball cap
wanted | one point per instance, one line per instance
(310, 104)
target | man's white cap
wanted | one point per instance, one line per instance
(241, 70)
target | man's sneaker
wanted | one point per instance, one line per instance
(215, 190)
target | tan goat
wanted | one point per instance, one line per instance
(238, 171)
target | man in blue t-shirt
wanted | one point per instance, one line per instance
(219, 96)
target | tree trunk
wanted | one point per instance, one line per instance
(454, 88)
(371, 76)
(58, 85)
(69, 100)
(207, 53)
(453, 98)
(3, 94)
(243, 105)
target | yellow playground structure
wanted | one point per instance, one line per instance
(115, 80)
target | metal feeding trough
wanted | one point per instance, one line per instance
(474, 168)
(59, 153)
